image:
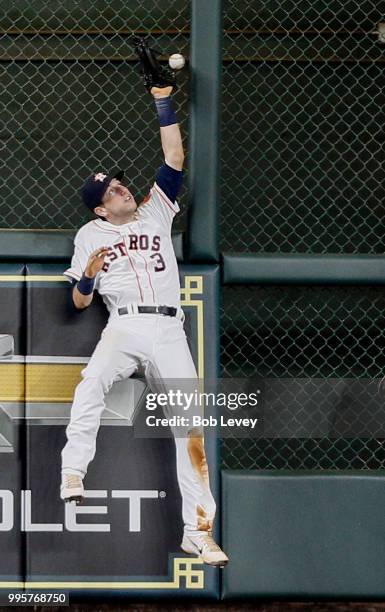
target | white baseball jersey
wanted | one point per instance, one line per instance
(140, 266)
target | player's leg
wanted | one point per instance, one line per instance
(172, 367)
(110, 361)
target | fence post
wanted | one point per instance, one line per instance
(204, 132)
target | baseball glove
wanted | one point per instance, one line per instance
(153, 74)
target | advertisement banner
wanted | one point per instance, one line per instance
(126, 535)
(12, 432)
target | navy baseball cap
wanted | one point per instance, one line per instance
(96, 186)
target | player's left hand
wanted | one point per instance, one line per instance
(161, 92)
(155, 76)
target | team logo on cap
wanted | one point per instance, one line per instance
(100, 177)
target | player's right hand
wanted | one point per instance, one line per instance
(96, 262)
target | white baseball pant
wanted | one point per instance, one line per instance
(159, 343)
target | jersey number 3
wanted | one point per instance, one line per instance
(159, 262)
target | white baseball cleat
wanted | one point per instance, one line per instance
(205, 546)
(72, 488)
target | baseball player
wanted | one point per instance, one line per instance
(126, 254)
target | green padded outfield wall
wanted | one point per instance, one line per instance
(308, 535)
(274, 269)
(51, 246)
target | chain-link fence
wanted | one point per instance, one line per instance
(73, 102)
(302, 125)
(321, 352)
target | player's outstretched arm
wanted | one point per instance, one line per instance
(83, 291)
(170, 135)
(160, 82)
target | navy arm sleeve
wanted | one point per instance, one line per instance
(169, 181)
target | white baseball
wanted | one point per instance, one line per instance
(176, 61)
